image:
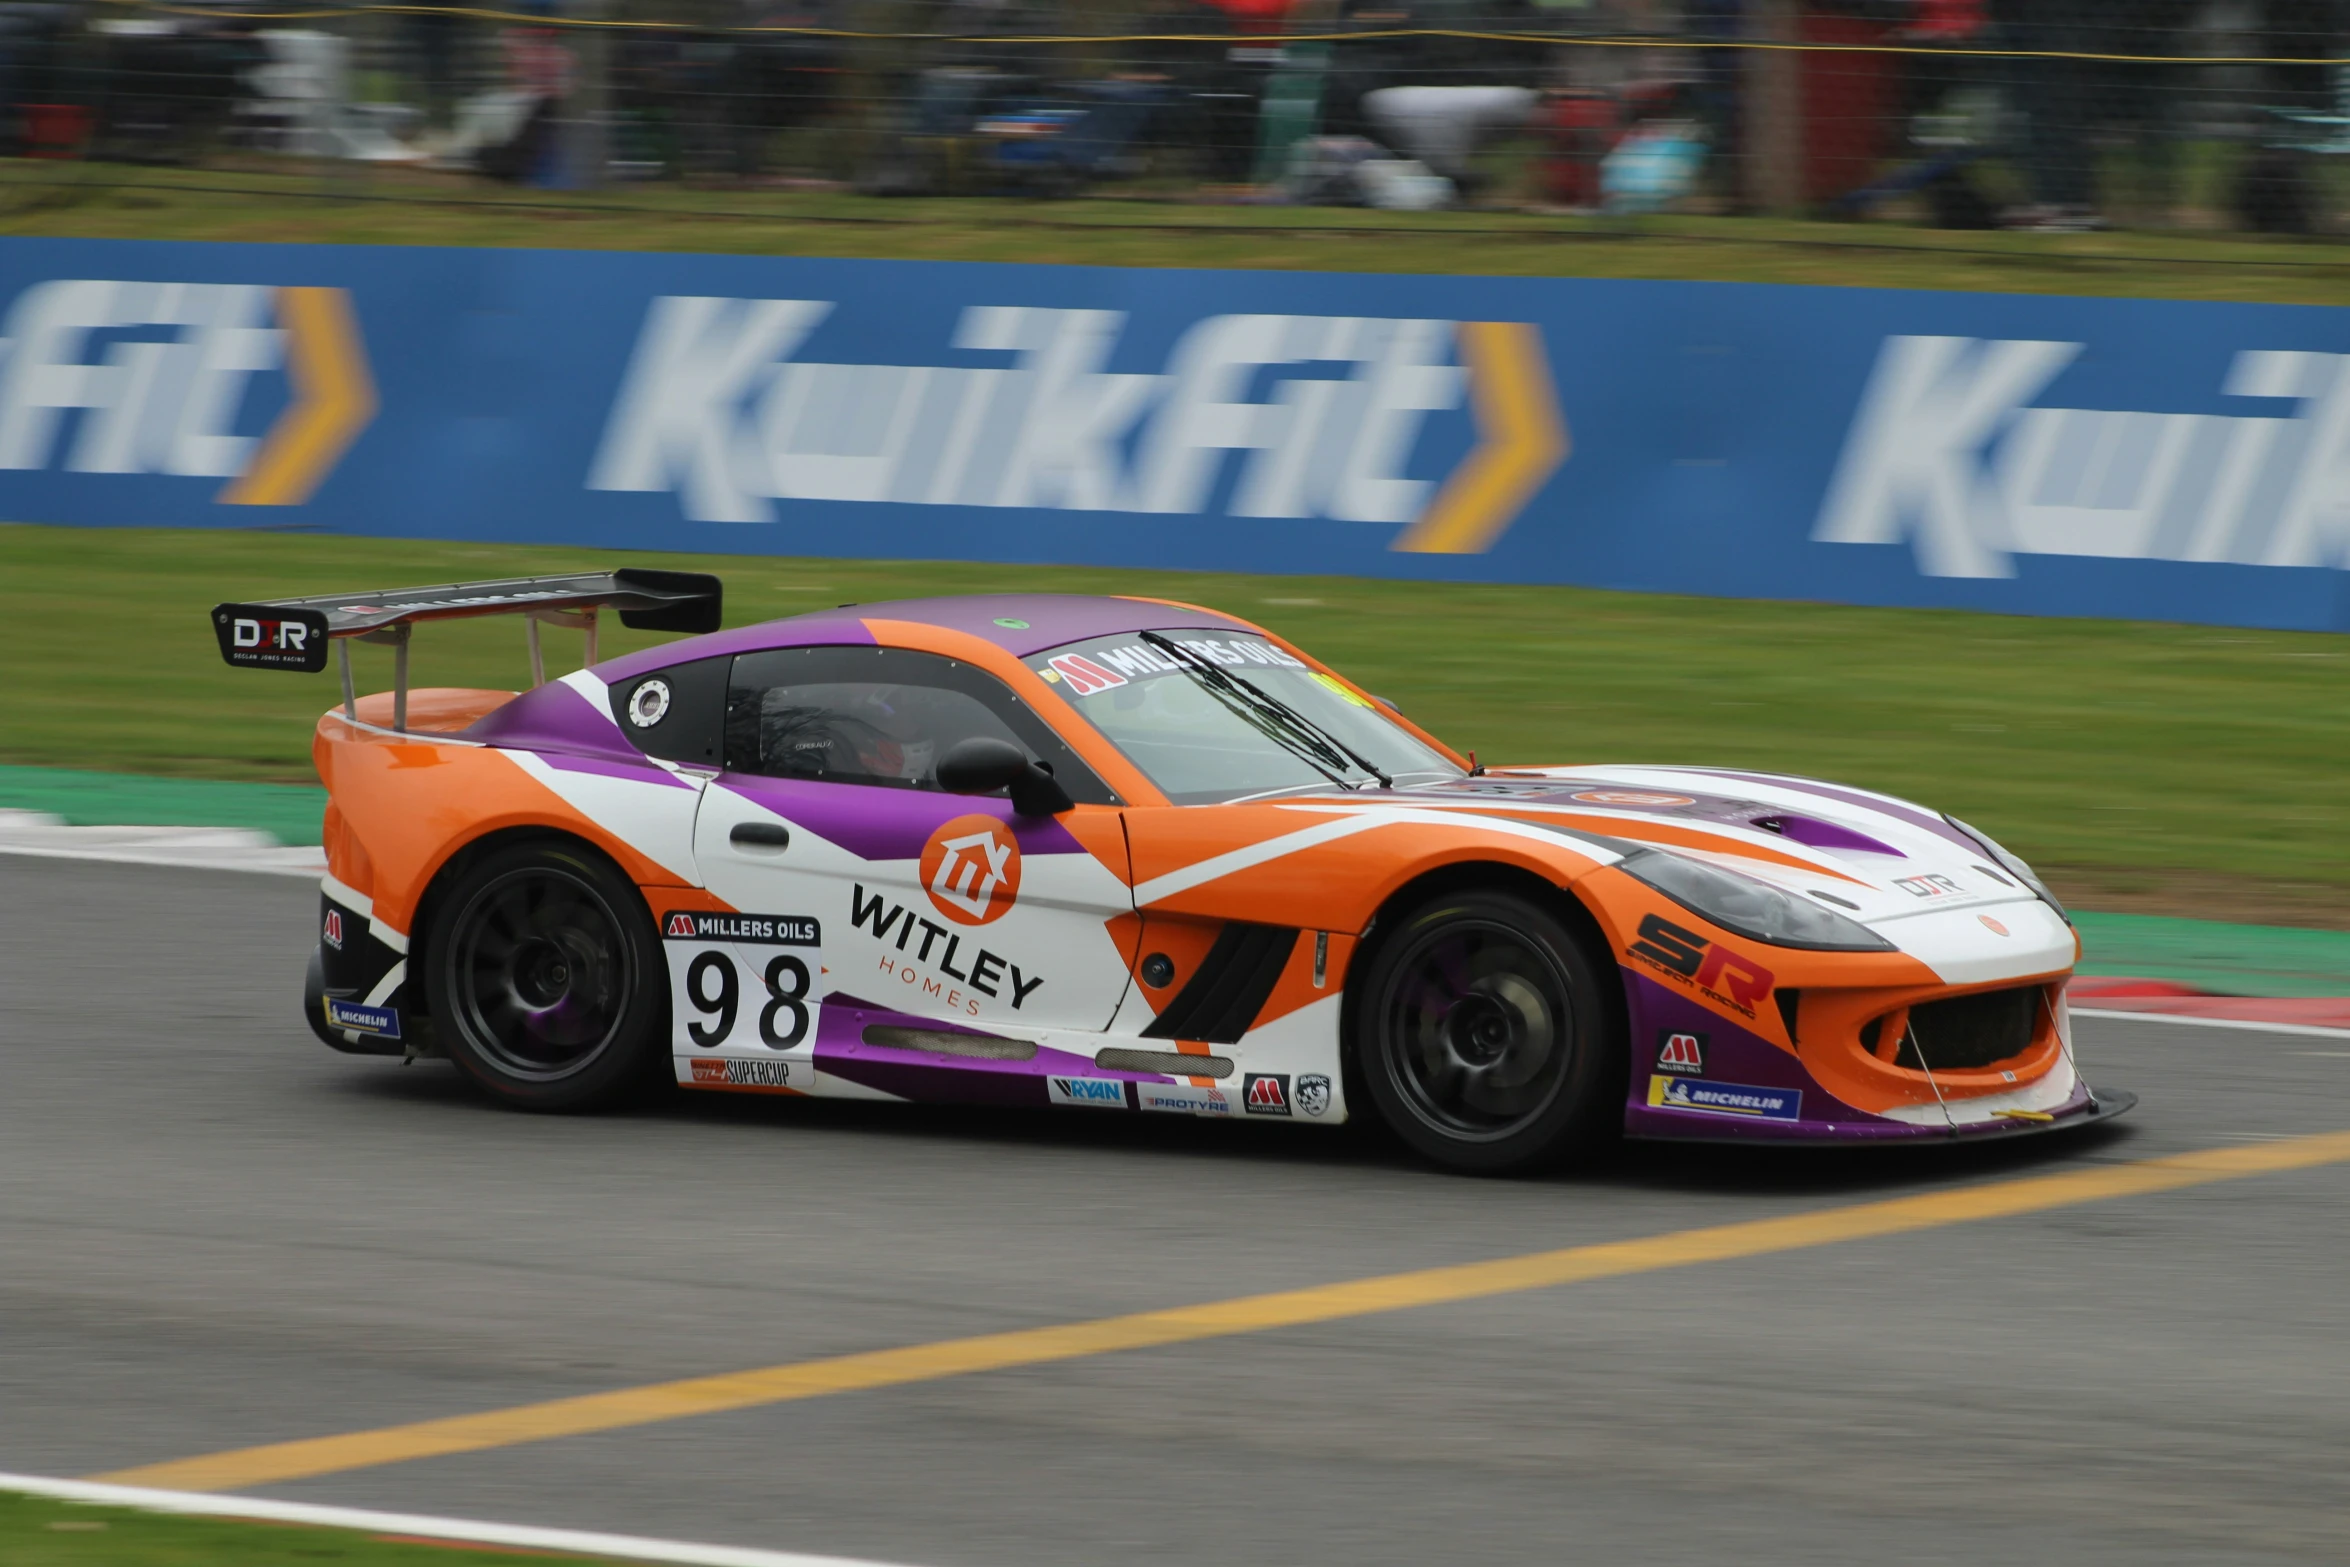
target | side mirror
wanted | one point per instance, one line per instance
(981, 765)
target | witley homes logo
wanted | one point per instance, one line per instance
(110, 377)
(971, 869)
(718, 409)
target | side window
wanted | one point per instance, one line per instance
(880, 716)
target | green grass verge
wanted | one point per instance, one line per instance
(37, 1532)
(2233, 960)
(2149, 768)
(288, 812)
(394, 207)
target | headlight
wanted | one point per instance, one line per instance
(2013, 866)
(1751, 908)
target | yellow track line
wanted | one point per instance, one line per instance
(282, 1461)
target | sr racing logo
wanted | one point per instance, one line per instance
(1713, 970)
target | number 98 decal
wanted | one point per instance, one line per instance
(724, 992)
(716, 994)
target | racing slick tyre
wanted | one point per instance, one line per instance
(545, 978)
(1485, 1036)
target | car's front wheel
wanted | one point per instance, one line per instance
(545, 979)
(1483, 1034)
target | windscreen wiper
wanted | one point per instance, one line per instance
(1226, 690)
(1279, 721)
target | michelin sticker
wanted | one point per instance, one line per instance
(1744, 1099)
(382, 1022)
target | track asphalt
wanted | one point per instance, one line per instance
(216, 1234)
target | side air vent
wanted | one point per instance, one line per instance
(1789, 1002)
(1971, 1031)
(940, 1042)
(1172, 1062)
(1229, 987)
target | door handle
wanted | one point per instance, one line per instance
(760, 835)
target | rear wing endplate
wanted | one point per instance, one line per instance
(294, 633)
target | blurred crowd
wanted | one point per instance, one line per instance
(2045, 114)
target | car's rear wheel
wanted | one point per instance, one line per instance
(1484, 1035)
(545, 978)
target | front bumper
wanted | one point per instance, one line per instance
(1850, 1069)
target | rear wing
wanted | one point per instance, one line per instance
(294, 633)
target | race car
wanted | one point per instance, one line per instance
(1134, 857)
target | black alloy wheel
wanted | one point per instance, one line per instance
(1484, 1035)
(546, 979)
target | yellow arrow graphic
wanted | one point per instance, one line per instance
(334, 398)
(1521, 440)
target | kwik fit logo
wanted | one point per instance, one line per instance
(1950, 454)
(718, 409)
(157, 375)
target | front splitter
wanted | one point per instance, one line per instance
(2102, 1105)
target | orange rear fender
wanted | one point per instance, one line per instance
(405, 806)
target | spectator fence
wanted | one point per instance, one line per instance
(2059, 115)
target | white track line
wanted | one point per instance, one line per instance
(43, 836)
(2309, 1029)
(309, 869)
(576, 1542)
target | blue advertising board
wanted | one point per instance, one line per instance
(2037, 455)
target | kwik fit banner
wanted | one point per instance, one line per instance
(2039, 455)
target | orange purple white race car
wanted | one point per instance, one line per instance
(1137, 857)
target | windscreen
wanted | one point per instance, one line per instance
(1269, 724)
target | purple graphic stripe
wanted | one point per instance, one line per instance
(933, 1080)
(1711, 809)
(928, 1077)
(1916, 818)
(877, 823)
(552, 715)
(1813, 833)
(1733, 1053)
